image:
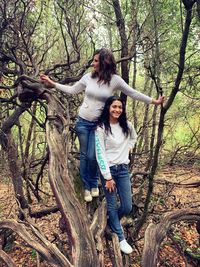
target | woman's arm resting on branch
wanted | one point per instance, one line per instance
(47, 81)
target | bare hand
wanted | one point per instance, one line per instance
(47, 81)
(158, 101)
(110, 185)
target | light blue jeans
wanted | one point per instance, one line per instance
(88, 165)
(119, 202)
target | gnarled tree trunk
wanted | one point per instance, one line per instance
(155, 234)
(77, 223)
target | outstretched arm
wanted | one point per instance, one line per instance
(121, 85)
(74, 89)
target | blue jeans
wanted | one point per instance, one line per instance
(88, 164)
(115, 210)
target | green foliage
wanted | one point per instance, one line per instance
(50, 35)
(59, 37)
(184, 122)
(33, 254)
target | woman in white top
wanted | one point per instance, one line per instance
(98, 86)
(114, 138)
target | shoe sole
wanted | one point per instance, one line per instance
(95, 195)
(88, 200)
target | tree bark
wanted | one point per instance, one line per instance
(6, 259)
(155, 234)
(163, 112)
(26, 156)
(45, 248)
(118, 262)
(124, 42)
(14, 167)
(97, 227)
(82, 245)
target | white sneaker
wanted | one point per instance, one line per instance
(87, 196)
(125, 247)
(95, 192)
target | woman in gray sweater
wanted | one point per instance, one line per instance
(98, 85)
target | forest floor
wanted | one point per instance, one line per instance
(168, 196)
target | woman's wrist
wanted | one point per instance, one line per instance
(54, 84)
(158, 101)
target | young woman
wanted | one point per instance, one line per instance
(114, 138)
(98, 86)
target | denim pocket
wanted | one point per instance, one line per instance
(125, 167)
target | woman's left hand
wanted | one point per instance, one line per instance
(158, 101)
(110, 185)
(47, 81)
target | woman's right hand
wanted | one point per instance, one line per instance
(47, 81)
(110, 185)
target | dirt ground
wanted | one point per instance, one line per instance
(168, 196)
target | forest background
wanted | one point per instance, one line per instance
(156, 45)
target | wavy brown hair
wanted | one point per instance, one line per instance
(107, 65)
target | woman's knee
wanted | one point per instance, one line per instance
(91, 158)
(91, 153)
(83, 155)
(127, 209)
(112, 207)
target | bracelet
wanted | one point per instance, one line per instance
(109, 179)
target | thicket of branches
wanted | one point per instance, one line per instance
(157, 50)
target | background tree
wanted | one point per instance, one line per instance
(58, 38)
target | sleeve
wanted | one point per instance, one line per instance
(129, 91)
(101, 153)
(73, 89)
(133, 136)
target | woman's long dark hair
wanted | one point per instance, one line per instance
(107, 65)
(104, 120)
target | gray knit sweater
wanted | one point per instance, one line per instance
(97, 93)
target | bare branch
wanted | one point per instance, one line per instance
(7, 259)
(155, 234)
(47, 250)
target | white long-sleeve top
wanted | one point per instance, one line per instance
(97, 93)
(113, 149)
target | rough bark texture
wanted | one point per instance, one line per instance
(10, 148)
(155, 234)
(46, 249)
(43, 212)
(76, 220)
(124, 42)
(97, 227)
(14, 167)
(83, 247)
(117, 252)
(6, 259)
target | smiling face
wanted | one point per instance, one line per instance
(115, 111)
(95, 63)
